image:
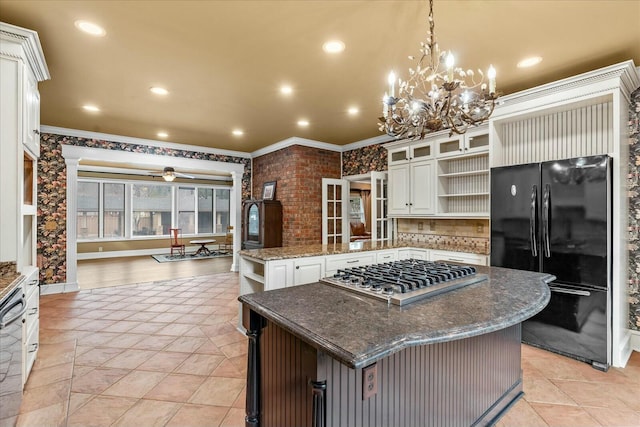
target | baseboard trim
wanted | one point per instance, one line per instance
(635, 341)
(123, 254)
(59, 288)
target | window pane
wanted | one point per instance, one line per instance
(88, 210)
(151, 206)
(113, 217)
(205, 210)
(222, 210)
(187, 210)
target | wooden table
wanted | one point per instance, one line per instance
(203, 246)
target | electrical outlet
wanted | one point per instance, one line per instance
(420, 225)
(369, 381)
(480, 229)
(99, 248)
(432, 225)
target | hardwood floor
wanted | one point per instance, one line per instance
(100, 273)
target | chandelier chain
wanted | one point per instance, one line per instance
(431, 100)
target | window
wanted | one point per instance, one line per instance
(113, 212)
(213, 210)
(187, 210)
(205, 210)
(125, 210)
(151, 205)
(222, 210)
(88, 221)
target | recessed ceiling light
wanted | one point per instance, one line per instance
(333, 46)
(353, 111)
(303, 123)
(91, 108)
(162, 134)
(286, 90)
(159, 90)
(530, 62)
(90, 28)
(237, 132)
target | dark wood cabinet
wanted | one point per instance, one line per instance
(261, 224)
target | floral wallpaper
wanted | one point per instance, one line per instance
(52, 187)
(364, 160)
(634, 211)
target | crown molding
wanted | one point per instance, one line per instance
(380, 139)
(140, 141)
(294, 140)
(29, 43)
(622, 78)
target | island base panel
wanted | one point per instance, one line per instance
(465, 382)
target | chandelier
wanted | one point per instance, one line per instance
(436, 95)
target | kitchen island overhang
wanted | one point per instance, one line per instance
(304, 340)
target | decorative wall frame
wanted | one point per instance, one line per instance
(269, 190)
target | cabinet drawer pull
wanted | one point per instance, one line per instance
(34, 310)
(353, 262)
(455, 259)
(35, 347)
(36, 131)
(33, 282)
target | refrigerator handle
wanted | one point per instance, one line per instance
(546, 201)
(532, 221)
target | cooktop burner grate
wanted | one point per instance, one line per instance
(405, 281)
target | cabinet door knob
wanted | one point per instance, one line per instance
(297, 267)
(406, 204)
(36, 131)
(460, 149)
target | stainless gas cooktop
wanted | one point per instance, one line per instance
(406, 281)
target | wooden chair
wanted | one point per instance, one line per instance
(176, 241)
(227, 245)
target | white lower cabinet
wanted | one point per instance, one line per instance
(279, 274)
(30, 322)
(463, 257)
(336, 262)
(412, 253)
(308, 270)
(386, 256)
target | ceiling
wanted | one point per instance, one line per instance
(224, 61)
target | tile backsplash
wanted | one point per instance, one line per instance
(463, 235)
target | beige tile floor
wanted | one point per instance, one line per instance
(169, 354)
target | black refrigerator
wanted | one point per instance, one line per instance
(555, 217)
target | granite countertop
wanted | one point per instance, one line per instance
(358, 331)
(287, 252)
(9, 282)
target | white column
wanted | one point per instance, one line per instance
(72, 238)
(235, 217)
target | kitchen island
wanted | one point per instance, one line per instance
(323, 356)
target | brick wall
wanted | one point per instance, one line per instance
(298, 171)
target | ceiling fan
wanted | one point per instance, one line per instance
(169, 174)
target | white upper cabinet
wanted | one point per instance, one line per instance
(411, 179)
(31, 125)
(441, 176)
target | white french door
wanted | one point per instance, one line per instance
(335, 200)
(335, 213)
(380, 224)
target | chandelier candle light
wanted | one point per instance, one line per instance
(434, 98)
